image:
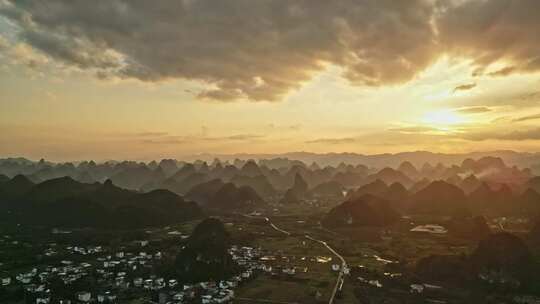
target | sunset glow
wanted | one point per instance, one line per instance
(101, 98)
(443, 118)
(266, 151)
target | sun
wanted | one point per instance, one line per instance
(443, 118)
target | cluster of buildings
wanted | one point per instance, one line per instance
(85, 250)
(112, 272)
(124, 272)
(171, 291)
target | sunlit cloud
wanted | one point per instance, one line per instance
(151, 134)
(464, 87)
(415, 129)
(474, 110)
(519, 135)
(361, 76)
(527, 118)
(503, 71)
(164, 138)
(333, 141)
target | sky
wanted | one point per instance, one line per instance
(149, 80)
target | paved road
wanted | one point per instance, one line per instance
(341, 279)
(276, 228)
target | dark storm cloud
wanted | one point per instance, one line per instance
(256, 50)
(262, 50)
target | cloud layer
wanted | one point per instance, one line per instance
(504, 32)
(262, 50)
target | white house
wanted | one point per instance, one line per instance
(178, 296)
(6, 281)
(289, 271)
(84, 296)
(43, 300)
(137, 282)
(417, 288)
(206, 299)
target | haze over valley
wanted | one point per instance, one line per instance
(270, 152)
(292, 220)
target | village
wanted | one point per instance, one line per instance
(272, 258)
(114, 274)
(134, 271)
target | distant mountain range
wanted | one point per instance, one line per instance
(268, 176)
(485, 186)
(417, 158)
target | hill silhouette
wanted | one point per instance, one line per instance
(367, 210)
(66, 202)
(438, 198)
(501, 258)
(12, 188)
(327, 189)
(202, 193)
(259, 183)
(205, 255)
(297, 192)
(505, 254)
(230, 198)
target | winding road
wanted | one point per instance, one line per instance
(269, 222)
(276, 227)
(341, 276)
(340, 280)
